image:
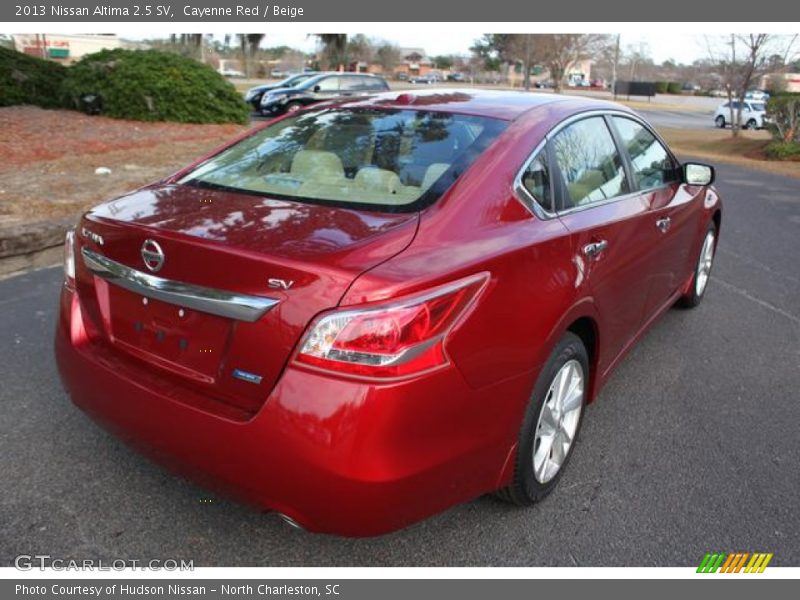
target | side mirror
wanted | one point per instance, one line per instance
(317, 88)
(698, 174)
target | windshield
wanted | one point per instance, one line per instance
(758, 106)
(394, 160)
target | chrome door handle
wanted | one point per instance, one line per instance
(663, 224)
(595, 248)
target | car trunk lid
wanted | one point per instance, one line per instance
(232, 282)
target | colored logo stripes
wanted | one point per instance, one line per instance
(734, 563)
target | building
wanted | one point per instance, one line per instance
(66, 48)
(413, 63)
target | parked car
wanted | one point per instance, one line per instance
(429, 79)
(756, 96)
(456, 77)
(233, 73)
(253, 95)
(401, 76)
(369, 311)
(545, 84)
(277, 74)
(318, 88)
(753, 114)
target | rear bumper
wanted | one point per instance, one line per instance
(336, 456)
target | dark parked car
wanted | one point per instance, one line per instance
(458, 77)
(253, 95)
(318, 88)
(371, 310)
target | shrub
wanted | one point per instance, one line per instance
(674, 87)
(783, 112)
(28, 80)
(661, 87)
(783, 150)
(151, 85)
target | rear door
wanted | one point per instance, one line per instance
(611, 226)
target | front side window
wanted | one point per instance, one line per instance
(379, 158)
(328, 84)
(589, 162)
(652, 164)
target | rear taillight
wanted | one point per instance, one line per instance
(403, 337)
(69, 258)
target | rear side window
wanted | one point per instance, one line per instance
(536, 180)
(589, 163)
(385, 159)
(352, 84)
(652, 164)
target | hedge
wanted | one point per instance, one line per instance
(674, 87)
(152, 85)
(29, 80)
(783, 150)
(783, 112)
(661, 87)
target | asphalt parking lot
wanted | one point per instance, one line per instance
(692, 447)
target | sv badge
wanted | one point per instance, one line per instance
(280, 284)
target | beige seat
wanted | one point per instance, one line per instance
(433, 173)
(382, 181)
(317, 165)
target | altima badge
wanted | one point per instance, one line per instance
(152, 255)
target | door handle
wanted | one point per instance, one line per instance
(663, 224)
(595, 248)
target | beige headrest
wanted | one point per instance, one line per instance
(433, 173)
(380, 180)
(317, 163)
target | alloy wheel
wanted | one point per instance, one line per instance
(558, 421)
(704, 264)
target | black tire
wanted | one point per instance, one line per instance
(525, 489)
(720, 122)
(751, 124)
(692, 298)
(293, 107)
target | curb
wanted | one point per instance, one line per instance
(30, 245)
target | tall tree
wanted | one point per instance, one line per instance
(387, 55)
(334, 50)
(741, 60)
(560, 51)
(249, 43)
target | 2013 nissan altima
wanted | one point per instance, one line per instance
(361, 314)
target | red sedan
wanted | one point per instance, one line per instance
(364, 313)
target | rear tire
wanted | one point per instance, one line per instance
(751, 124)
(702, 270)
(720, 122)
(540, 463)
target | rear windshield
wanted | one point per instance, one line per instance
(395, 160)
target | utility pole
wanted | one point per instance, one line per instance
(614, 69)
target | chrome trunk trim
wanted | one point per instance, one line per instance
(223, 303)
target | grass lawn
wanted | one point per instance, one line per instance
(718, 145)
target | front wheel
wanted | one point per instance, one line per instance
(720, 121)
(551, 424)
(702, 270)
(751, 124)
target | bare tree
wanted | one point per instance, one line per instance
(387, 55)
(560, 51)
(742, 60)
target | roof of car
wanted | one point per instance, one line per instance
(506, 105)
